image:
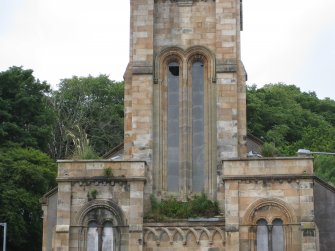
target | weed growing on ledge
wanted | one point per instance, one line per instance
(108, 172)
(171, 208)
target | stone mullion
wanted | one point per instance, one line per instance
(184, 129)
(100, 231)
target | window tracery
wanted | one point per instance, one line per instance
(184, 79)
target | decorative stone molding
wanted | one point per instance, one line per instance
(272, 207)
(186, 235)
(179, 55)
(108, 206)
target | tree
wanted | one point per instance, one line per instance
(89, 114)
(290, 119)
(25, 175)
(324, 167)
(26, 116)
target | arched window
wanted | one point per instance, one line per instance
(92, 237)
(182, 121)
(198, 141)
(107, 237)
(270, 236)
(173, 149)
(100, 237)
(277, 235)
(262, 236)
(185, 101)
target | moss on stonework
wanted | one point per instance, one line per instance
(171, 208)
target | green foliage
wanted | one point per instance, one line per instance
(269, 150)
(108, 172)
(89, 113)
(291, 119)
(25, 175)
(171, 208)
(92, 195)
(81, 146)
(324, 167)
(26, 116)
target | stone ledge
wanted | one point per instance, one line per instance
(62, 228)
(100, 179)
(266, 177)
(185, 223)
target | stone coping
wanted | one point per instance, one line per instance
(268, 158)
(81, 169)
(99, 160)
(101, 179)
(267, 177)
(259, 167)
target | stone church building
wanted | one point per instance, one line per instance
(185, 134)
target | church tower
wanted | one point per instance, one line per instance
(185, 101)
(185, 134)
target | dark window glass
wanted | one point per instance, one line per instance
(277, 235)
(262, 236)
(173, 127)
(198, 143)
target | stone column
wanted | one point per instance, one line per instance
(232, 215)
(62, 237)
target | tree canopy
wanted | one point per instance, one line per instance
(25, 175)
(89, 117)
(26, 117)
(291, 119)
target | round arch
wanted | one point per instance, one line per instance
(108, 205)
(279, 208)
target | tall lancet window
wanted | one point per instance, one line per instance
(198, 143)
(184, 122)
(173, 149)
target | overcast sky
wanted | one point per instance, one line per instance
(290, 41)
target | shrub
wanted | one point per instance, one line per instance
(171, 208)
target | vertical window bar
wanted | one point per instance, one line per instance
(198, 144)
(173, 127)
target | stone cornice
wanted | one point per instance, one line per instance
(100, 179)
(183, 2)
(267, 177)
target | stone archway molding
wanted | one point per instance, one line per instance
(248, 218)
(181, 55)
(109, 205)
